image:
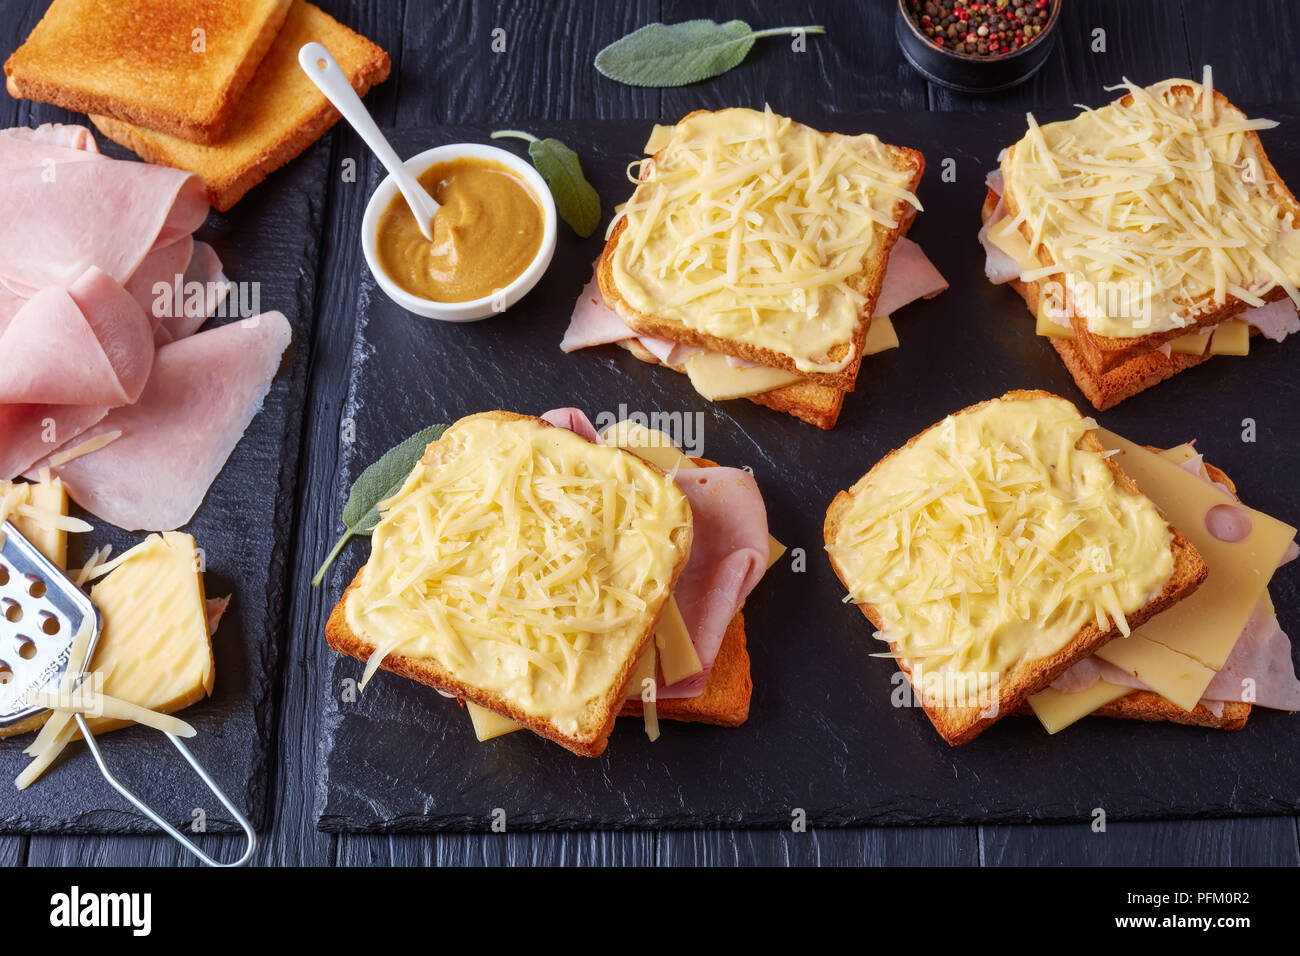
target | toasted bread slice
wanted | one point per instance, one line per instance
(178, 67)
(1102, 354)
(725, 700)
(959, 725)
(816, 404)
(280, 116)
(592, 726)
(867, 282)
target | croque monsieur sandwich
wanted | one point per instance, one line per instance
(1016, 558)
(552, 578)
(1146, 236)
(761, 258)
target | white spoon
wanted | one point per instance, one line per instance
(323, 70)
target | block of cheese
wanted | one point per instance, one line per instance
(154, 649)
(39, 510)
(1057, 710)
(1231, 338)
(1171, 674)
(1193, 343)
(881, 336)
(1206, 625)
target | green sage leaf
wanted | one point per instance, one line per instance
(675, 54)
(376, 484)
(576, 200)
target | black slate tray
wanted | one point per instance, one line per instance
(822, 736)
(272, 238)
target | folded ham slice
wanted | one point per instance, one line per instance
(31, 432)
(65, 210)
(729, 551)
(55, 134)
(200, 398)
(89, 344)
(909, 276)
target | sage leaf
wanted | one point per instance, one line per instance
(376, 484)
(576, 200)
(675, 54)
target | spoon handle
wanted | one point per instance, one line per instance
(323, 70)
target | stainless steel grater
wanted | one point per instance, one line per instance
(41, 613)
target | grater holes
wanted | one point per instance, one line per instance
(6, 675)
(35, 586)
(4, 575)
(49, 623)
(26, 647)
(13, 611)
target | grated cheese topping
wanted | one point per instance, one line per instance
(525, 561)
(753, 228)
(1155, 211)
(993, 539)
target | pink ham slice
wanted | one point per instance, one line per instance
(1276, 320)
(204, 391)
(90, 344)
(65, 210)
(908, 277)
(55, 134)
(593, 322)
(205, 269)
(31, 432)
(1263, 657)
(728, 555)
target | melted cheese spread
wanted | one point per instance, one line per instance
(1154, 211)
(992, 540)
(753, 228)
(525, 561)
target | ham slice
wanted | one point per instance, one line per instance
(728, 555)
(32, 432)
(593, 322)
(55, 134)
(204, 391)
(65, 210)
(90, 344)
(909, 276)
(1263, 656)
(1276, 320)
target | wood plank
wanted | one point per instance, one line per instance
(1250, 45)
(451, 73)
(13, 851)
(881, 846)
(1244, 841)
(856, 66)
(1143, 41)
(636, 848)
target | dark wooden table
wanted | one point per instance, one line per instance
(444, 71)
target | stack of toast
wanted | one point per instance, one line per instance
(1146, 236)
(752, 257)
(214, 89)
(1017, 559)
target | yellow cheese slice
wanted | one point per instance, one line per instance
(1171, 674)
(774, 550)
(489, 724)
(1179, 453)
(653, 445)
(1057, 710)
(678, 658)
(1046, 327)
(881, 336)
(1206, 625)
(36, 510)
(1231, 338)
(645, 670)
(717, 379)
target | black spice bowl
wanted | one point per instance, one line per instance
(970, 73)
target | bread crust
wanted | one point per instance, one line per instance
(726, 695)
(868, 282)
(1102, 354)
(960, 725)
(340, 636)
(49, 68)
(228, 178)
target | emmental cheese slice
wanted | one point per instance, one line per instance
(1206, 625)
(717, 379)
(1171, 674)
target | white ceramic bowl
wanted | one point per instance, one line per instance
(473, 309)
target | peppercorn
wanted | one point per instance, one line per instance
(981, 27)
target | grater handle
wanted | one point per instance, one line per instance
(171, 830)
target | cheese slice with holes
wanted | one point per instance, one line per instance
(1206, 625)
